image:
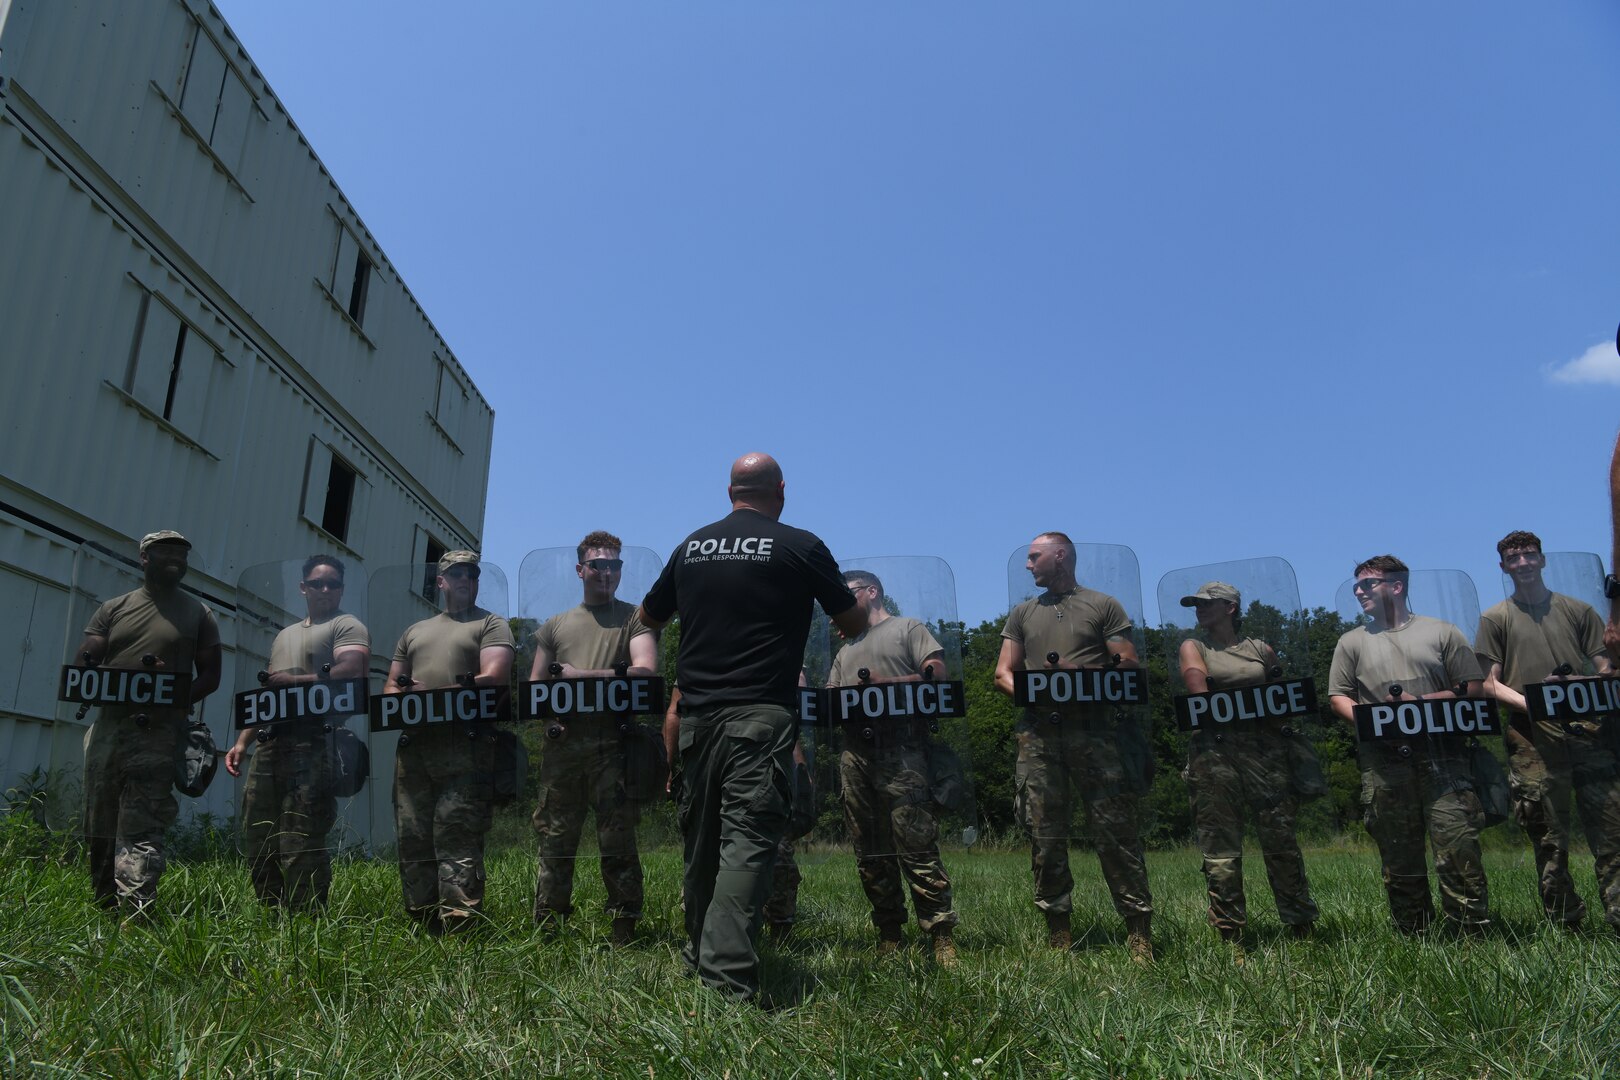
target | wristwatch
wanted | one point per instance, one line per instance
(1611, 587)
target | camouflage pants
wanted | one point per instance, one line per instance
(1055, 761)
(889, 810)
(1247, 775)
(129, 802)
(1561, 768)
(782, 906)
(443, 802)
(581, 772)
(1402, 797)
(287, 810)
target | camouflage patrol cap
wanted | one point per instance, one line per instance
(1213, 590)
(457, 558)
(163, 536)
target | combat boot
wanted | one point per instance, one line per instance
(624, 930)
(944, 948)
(888, 941)
(1139, 938)
(780, 931)
(1057, 930)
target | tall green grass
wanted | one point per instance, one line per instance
(218, 987)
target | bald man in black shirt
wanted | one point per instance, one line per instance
(744, 587)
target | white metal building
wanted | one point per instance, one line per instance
(197, 332)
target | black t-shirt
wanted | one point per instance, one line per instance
(744, 588)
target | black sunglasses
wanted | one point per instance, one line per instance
(324, 586)
(602, 566)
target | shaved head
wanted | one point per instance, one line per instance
(756, 481)
(755, 472)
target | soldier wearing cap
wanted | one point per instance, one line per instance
(1526, 639)
(1409, 787)
(584, 770)
(1086, 628)
(888, 806)
(131, 753)
(287, 802)
(444, 776)
(1240, 774)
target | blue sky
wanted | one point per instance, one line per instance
(1208, 280)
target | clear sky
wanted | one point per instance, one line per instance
(1208, 280)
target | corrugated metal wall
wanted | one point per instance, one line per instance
(116, 216)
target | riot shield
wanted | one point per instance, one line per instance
(592, 701)
(1421, 756)
(299, 759)
(440, 624)
(1236, 647)
(1396, 668)
(1547, 635)
(893, 706)
(1576, 574)
(1085, 760)
(1554, 614)
(128, 742)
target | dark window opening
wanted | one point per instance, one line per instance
(174, 372)
(430, 576)
(359, 287)
(339, 498)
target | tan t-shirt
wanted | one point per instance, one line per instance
(1243, 663)
(1530, 641)
(303, 648)
(174, 626)
(1076, 625)
(437, 651)
(894, 647)
(1425, 656)
(591, 638)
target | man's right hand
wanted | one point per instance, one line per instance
(233, 760)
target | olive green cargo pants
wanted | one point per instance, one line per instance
(737, 764)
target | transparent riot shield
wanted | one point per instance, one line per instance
(1085, 761)
(1395, 668)
(1235, 642)
(129, 749)
(1547, 635)
(893, 707)
(299, 757)
(1576, 574)
(1421, 754)
(441, 735)
(592, 703)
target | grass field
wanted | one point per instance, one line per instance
(218, 987)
